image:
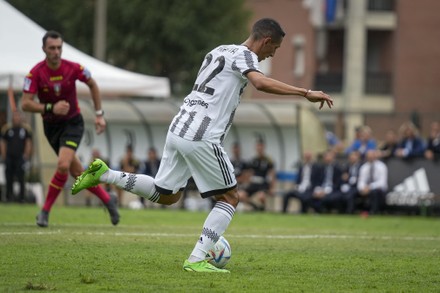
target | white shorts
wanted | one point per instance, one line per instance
(206, 162)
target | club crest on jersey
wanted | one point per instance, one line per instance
(57, 88)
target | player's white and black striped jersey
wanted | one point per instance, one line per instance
(207, 112)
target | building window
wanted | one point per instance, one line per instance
(381, 5)
(379, 65)
(299, 68)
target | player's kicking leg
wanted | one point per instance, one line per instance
(139, 184)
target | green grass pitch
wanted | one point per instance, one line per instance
(81, 252)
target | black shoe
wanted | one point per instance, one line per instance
(113, 210)
(43, 219)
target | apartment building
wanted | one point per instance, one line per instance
(379, 59)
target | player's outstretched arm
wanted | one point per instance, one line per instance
(273, 86)
(319, 97)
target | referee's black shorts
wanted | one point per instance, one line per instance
(66, 133)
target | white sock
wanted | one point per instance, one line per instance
(215, 225)
(139, 184)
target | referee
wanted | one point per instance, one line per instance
(53, 81)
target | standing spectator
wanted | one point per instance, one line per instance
(372, 183)
(411, 145)
(262, 182)
(433, 148)
(129, 164)
(364, 143)
(16, 149)
(303, 184)
(54, 80)
(388, 149)
(349, 182)
(334, 143)
(194, 143)
(326, 185)
(151, 166)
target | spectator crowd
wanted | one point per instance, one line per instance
(354, 179)
(346, 180)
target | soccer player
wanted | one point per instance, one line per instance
(194, 141)
(53, 80)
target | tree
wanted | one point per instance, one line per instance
(157, 37)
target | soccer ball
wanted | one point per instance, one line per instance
(135, 205)
(220, 254)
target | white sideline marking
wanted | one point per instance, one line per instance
(316, 236)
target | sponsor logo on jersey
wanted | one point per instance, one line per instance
(56, 78)
(192, 103)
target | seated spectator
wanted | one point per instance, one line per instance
(150, 167)
(410, 145)
(303, 184)
(389, 147)
(130, 164)
(372, 183)
(241, 167)
(349, 181)
(363, 143)
(262, 182)
(326, 184)
(433, 146)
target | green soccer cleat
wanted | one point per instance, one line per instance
(90, 177)
(202, 267)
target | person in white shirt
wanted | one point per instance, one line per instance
(193, 146)
(373, 182)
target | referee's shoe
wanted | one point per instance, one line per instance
(112, 208)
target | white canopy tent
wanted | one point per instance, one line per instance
(20, 50)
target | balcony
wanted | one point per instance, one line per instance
(376, 5)
(329, 82)
(381, 5)
(378, 83)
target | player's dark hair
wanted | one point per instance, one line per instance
(267, 27)
(52, 35)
